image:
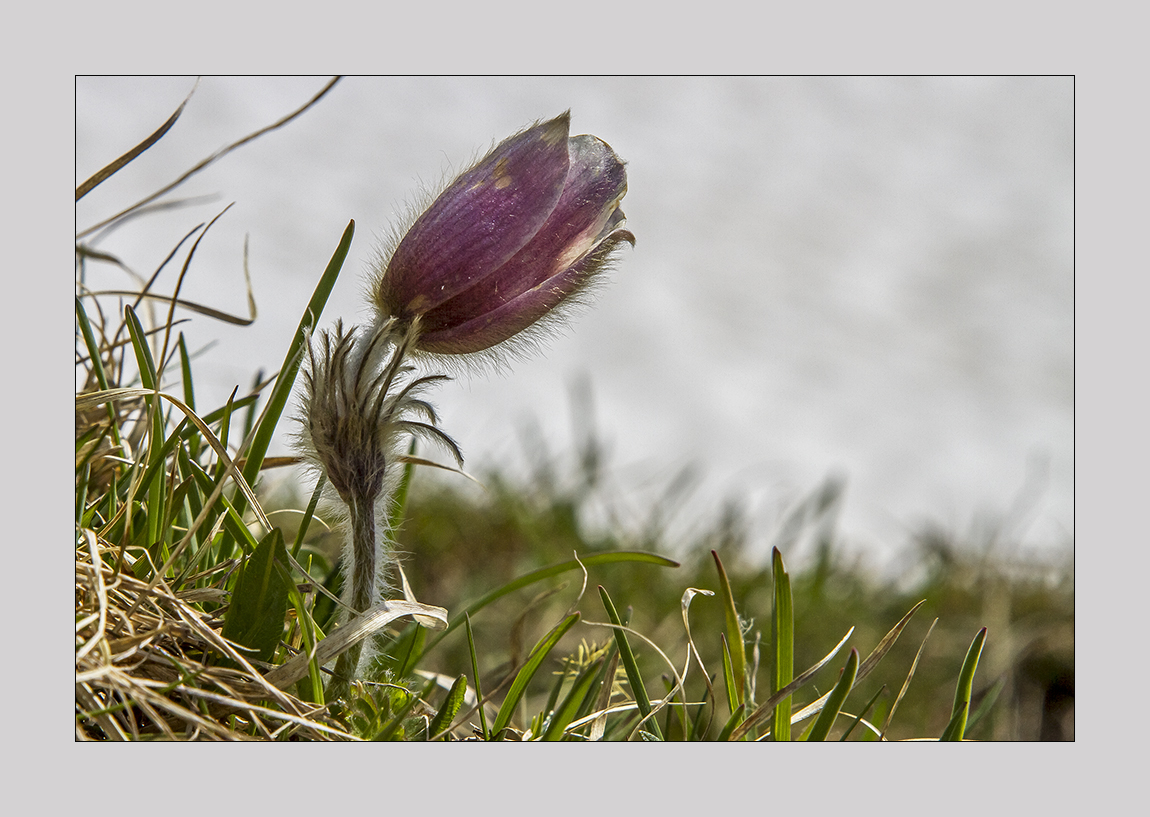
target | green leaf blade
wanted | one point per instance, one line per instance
(956, 728)
(630, 665)
(734, 631)
(450, 708)
(260, 600)
(580, 690)
(523, 678)
(783, 636)
(837, 698)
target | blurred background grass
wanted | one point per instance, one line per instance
(459, 541)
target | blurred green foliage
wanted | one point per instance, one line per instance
(458, 542)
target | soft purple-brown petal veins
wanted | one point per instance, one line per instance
(483, 218)
(513, 316)
(587, 211)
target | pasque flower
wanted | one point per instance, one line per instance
(518, 235)
(504, 248)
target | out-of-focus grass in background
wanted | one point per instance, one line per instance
(459, 542)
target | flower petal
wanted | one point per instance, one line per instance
(480, 221)
(587, 212)
(517, 314)
(596, 183)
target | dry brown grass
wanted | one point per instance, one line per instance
(148, 667)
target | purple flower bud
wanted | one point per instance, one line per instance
(522, 232)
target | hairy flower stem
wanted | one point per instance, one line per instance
(364, 545)
(361, 399)
(363, 577)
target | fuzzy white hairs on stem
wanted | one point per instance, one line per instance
(357, 409)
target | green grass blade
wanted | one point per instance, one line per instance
(732, 722)
(475, 670)
(598, 725)
(767, 707)
(630, 665)
(675, 723)
(158, 467)
(97, 363)
(734, 630)
(308, 515)
(225, 436)
(527, 672)
(551, 705)
(144, 361)
(399, 498)
(312, 688)
(286, 379)
(189, 391)
(909, 677)
(583, 688)
(446, 714)
(985, 705)
(219, 414)
(414, 648)
(862, 714)
(957, 726)
(186, 372)
(602, 685)
(260, 600)
(148, 378)
(729, 678)
(699, 728)
(90, 343)
(837, 698)
(192, 506)
(783, 636)
(82, 491)
(250, 411)
(865, 668)
(233, 522)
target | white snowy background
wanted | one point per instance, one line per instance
(871, 278)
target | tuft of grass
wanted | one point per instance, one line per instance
(185, 593)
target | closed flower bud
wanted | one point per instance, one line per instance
(520, 234)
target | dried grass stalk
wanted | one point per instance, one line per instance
(144, 667)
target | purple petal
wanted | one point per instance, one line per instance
(515, 315)
(587, 212)
(596, 183)
(483, 219)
